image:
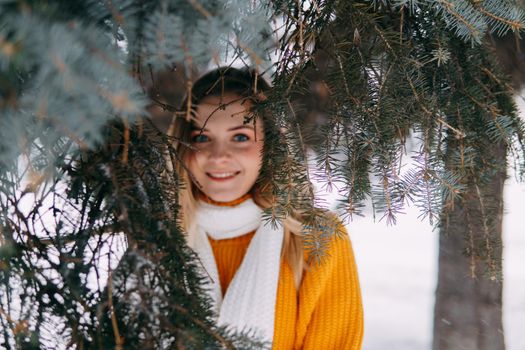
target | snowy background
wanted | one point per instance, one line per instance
(398, 273)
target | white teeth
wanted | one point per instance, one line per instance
(222, 175)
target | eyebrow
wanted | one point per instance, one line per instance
(244, 126)
(196, 128)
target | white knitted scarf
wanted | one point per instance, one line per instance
(249, 302)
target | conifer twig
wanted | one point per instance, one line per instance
(450, 9)
(119, 341)
(125, 149)
(515, 25)
(200, 8)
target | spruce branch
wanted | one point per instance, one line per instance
(514, 25)
(467, 20)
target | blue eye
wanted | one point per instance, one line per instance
(241, 138)
(200, 138)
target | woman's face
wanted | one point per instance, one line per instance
(227, 154)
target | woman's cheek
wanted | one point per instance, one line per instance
(195, 162)
(256, 153)
(246, 148)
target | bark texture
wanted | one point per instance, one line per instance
(468, 308)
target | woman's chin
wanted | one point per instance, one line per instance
(225, 196)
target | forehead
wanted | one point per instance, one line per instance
(228, 109)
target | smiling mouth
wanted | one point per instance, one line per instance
(223, 176)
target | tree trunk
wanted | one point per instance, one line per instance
(468, 309)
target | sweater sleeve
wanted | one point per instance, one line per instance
(331, 312)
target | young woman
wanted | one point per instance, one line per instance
(258, 276)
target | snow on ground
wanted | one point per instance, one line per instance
(397, 265)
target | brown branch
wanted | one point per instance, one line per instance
(119, 340)
(197, 6)
(125, 151)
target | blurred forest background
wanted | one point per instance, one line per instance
(396, 103)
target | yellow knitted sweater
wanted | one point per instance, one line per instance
(325, 313)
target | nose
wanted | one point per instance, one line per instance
(219, 150)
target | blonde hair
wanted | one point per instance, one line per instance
(247, 85)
